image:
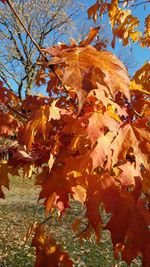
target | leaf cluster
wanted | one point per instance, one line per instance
(87, 141)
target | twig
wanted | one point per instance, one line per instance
(82, 232)
(15, 111)
(137, 4)
(24, 27)
(47, 219)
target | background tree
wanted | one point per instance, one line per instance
(47, 21)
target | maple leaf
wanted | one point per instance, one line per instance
(38, 122)
(103, 95)
(132, 235)
(126, 139)
(130, 170)
(8, 125)
(97, 124)
(48, 253)
(84, 66)
(63, 180)
(32, 103)
(56, 187)
(93, 201)
(92, 34)
(145, 39)
(8, 97)
(137, 87)
(92, 11)
(123, 23)
(102, 152)
(5, 170)
(142, 76)
(98, 188)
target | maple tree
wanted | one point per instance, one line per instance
(89, 140)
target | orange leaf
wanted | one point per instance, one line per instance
(85, 66)
(92, 34)
(8, 125)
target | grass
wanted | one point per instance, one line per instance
(17, 213)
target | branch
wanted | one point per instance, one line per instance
(24, 27)
(9, 72)
(17, 47)
(59, 24)
(47, 219)
(35, 43)
(82, 232)
(20, 87)
(135, 5)
(6, 82)
(16, 112)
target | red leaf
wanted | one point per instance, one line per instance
(48, 252)
(8, 125)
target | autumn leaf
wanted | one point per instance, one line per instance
(130, 170)
(56, 187)
(84, 66)
(123, 23)
(126, 139)
(88, 140)
(142, 76)
(8, 125)
(8, 97)
(92, 11)
(132, 235)
(92, 34)
(31, 103)
(38, 123)
(145, 39)
(48, 253)
(102, 153)
(98, 122)
(5, 170)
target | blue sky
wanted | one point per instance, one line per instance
(138, 54)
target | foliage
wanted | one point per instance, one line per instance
(88, 141)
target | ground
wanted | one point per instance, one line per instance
(19, 210)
